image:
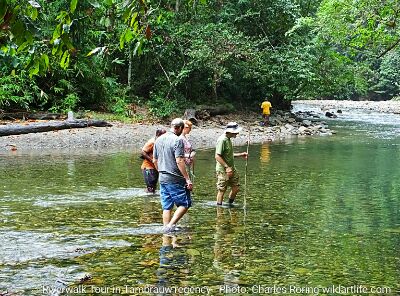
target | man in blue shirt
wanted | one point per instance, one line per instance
(175, 183)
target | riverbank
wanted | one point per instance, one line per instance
(332, 105)
(133, 136)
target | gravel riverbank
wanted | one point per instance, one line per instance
(381, 106)
(133, 136)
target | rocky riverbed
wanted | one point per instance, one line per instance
(132, 136)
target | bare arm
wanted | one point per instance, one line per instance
(155, 163)
(146, 156)
(241, 154)
(228, 169)
(180, 161)
(221, 160)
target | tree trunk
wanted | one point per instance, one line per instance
(39, 127)
(190, 114)
(215, 76)
(130, 66)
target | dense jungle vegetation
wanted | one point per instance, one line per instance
(113, 55)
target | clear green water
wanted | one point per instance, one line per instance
(320, 212)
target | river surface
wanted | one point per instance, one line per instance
(321, 213)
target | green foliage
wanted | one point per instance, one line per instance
(369, 26)
(389, 75)
(104, 55)
(159, 106)
(118, 101)
(114, 117)
(65, 96)
(18, 91)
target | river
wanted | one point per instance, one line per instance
(322, 217)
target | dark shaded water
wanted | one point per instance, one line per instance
(320, 212)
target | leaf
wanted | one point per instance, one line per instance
(133, 19)
(55, 49)
(122, 41)
(34, 14)
(57, 32)
(73, 5)
(23, 46)
(128, 35)
(45, 60)
(65, 59)
(35, 69)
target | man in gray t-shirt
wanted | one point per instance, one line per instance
(175, 184)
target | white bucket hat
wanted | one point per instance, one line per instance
(233, 128)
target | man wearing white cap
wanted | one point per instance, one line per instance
(175, 184)
(227, 174)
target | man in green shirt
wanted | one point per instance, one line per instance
(227, 174)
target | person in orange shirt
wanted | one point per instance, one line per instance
(149, 171)
(266, 106)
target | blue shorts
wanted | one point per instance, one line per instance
(174, 194)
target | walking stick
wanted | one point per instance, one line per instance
(245, 195)
(245, 173)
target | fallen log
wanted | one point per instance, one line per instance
(40, 127)
(215, 110)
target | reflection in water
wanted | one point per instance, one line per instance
(71, 167)
(174, 261)
(226, 247)
(265, 153)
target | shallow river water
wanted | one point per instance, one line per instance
(322, 217)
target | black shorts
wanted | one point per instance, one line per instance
(151, 179)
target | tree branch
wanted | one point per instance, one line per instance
(389, 48)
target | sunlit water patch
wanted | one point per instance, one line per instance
(23, 246)
(99, 195)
